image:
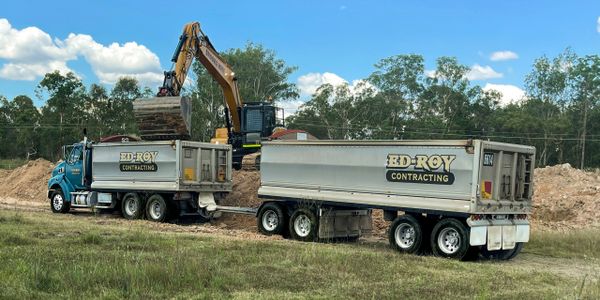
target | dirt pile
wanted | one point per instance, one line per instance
(565, 197)
(244, 194)
(28, 182)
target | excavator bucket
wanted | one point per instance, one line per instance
(163, 118)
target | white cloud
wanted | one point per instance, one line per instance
(598, 25)
(309, 83)
(290, 107)
(479, 72)
(503, 55)
(510, 93)
(30, 53)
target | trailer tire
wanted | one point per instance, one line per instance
(271, 219)
(501, 254)
(450, 239)
(406, 234)
(132, 206)
(58, 203)
(156, 208)
(304, 225)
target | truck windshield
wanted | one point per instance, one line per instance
(75, 155)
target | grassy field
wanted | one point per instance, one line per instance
(10, 164)
(45, 256)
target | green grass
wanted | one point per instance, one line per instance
(12, 163)
(68, 256)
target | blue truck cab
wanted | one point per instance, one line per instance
(71, 177)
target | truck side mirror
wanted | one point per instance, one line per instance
(64, 153)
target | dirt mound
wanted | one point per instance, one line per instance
(28, 182)
(244, 194)
(565, 197)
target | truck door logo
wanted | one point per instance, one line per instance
(428, 169)
(138, 161)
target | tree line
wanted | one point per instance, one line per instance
(560, 113)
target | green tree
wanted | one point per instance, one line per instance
(261, 76)
(546, 86)
(120, 106)
(64, 114)
(585, 78)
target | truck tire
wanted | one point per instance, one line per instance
(271, 219)
(304, 225)
(406, 234)
(501, 254)
(450, 239)
(58, 203)
(156, 208)
(132, 206)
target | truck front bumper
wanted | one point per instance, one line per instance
(498, 234)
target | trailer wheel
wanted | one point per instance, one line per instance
(450, 239)
(132, 206)
(501, 254)
(303, 225)
(406, 234)
(271, 219)
(156, 208)
(58, 203)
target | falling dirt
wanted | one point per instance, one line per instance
(243, 194)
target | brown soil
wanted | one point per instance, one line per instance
(28, 182)
(244, 194)
(564, 197)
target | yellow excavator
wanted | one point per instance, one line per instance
(168, 115)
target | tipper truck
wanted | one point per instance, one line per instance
(456, 199)
(153, 179)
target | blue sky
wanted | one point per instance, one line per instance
(330, 41)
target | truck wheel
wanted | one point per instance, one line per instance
(450, 239)
(271, 219)
(303, 225)
(132, 206)
(58, 203)
(501, 254)
(156, 208)
(406, 234)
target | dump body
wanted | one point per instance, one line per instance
(464, 177)
(161, 166)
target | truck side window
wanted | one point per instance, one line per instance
(75, 155)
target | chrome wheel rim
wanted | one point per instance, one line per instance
(131, 206)
(270, 221)
(156, 210)
(449, 240)
(404, 236)
(302, 225)
(57, 202)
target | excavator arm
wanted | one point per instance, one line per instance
(193, 43)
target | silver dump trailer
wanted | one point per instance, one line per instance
(455, 198)
(152, 179)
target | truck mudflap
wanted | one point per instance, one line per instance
(498, 234)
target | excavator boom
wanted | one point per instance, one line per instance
(156, 116)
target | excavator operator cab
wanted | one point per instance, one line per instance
(258, 120)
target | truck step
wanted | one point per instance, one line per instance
(237, 210)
